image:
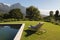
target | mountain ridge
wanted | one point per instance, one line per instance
(5, 8)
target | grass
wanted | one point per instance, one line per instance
(52, 31)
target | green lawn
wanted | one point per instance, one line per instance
(52, 31)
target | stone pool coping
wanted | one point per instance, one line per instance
(19, 33)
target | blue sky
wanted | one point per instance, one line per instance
(41, 4)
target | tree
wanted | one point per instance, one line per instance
(51, 13)
(33, 13)
(16, 13)
(1, 16)
(56, 15)
(51, 16)
(6, 16)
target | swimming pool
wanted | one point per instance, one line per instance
(9, 31)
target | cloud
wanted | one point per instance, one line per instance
(7, 4)
(46, 12)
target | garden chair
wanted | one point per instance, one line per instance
(36, 27)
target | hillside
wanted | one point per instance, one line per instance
(5, 8)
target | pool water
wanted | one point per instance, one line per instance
(8, 32)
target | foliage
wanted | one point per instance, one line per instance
(56, 15)
(46, 19)
(6, 16)
(16, 13)
(51, 13)
(33, 13)
(51, 16)
(1, 16)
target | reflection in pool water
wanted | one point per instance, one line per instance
(7, 33)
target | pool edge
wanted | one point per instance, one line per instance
(19, 33)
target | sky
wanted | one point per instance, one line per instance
(45, 5)
(41, 4)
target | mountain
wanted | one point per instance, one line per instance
(18, 5)
(4, 8)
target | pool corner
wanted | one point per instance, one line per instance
(19, 33)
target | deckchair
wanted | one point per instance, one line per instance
(36, 27)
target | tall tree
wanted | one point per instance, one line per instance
(51, 16)
(56, 15)
(33, 13)
(16, 13)
(51, 13)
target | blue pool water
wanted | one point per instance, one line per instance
(8, 32)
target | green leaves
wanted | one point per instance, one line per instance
(16, 13)
(33, 13)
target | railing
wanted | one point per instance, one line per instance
(19, 33)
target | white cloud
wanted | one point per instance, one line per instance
(7, 4)
(46, 12)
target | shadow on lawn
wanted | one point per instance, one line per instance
(30, 32)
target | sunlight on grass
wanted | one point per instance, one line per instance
(52, 31)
